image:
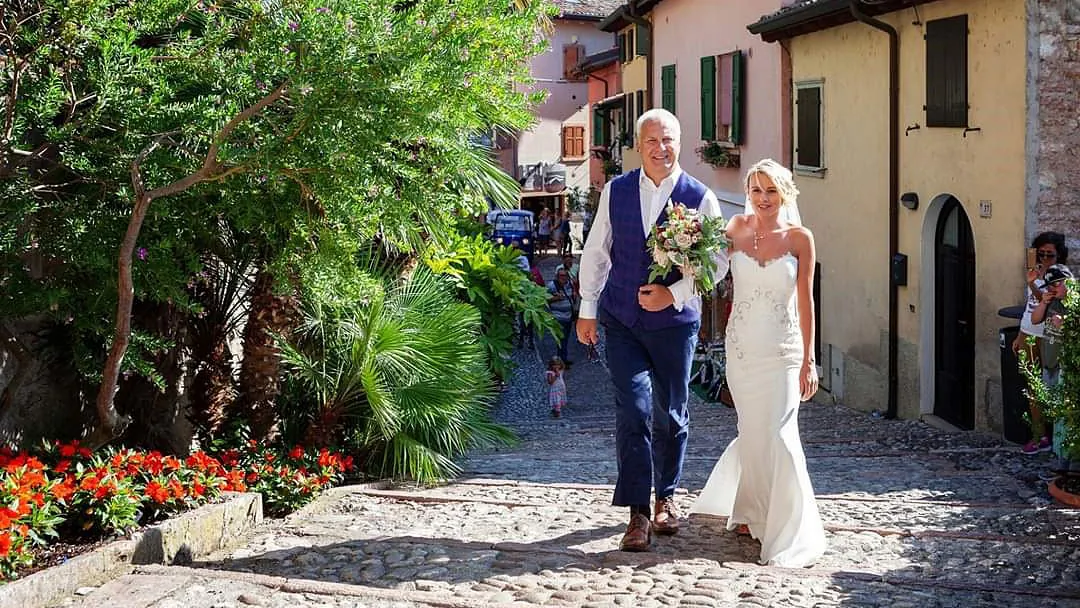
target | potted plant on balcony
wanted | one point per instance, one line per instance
(718, 154)
(1059, 398)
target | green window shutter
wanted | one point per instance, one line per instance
(642, 40)
(738, 70)
(622, 47)
(628, 119)
(667, 88)
(708, 98)
(597, 128)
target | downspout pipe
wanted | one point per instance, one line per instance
(603, 80)
(633, 17)
(894, 195)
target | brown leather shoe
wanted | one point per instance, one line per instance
(638, 534)
(665, 517)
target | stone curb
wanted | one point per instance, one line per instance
(305, 586)
(328, 498)
(178, 540)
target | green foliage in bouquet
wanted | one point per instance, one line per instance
(687, 241)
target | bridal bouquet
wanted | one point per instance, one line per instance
(688, 241)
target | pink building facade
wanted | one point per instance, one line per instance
(560, 135)
(605, 84)
(725, 85)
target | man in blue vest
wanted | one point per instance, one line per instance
(651, 328)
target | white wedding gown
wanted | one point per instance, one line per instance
(761, 479)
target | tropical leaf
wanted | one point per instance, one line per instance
(401, 380)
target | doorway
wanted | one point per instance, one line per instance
(954, 316)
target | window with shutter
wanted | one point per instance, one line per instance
(642, 40)
(628, 120)
(630, 44)
(573, 143)
(729, 92)
(640, 104)
(946, 72)
(620, 41)
(808, 132)
(572, 56)
(667, 88)
(598, 128)
(708, 98)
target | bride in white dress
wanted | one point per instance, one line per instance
(760, 482)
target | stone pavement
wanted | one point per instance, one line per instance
(916, 517)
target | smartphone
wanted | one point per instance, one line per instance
(1032, 258)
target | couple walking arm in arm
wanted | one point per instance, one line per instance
(651, 332)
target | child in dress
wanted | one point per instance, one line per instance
(556, 386)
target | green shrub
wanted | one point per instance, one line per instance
(399, 379)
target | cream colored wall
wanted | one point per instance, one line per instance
(686, 30)
(847, 207)
(634, 73)
(985, 165)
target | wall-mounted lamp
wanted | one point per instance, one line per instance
(910, 200)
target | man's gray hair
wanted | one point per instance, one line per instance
(661, 116)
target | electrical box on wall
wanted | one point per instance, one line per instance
(899, 269)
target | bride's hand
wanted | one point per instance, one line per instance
(808, 381)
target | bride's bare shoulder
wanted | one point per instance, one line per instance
(801, 233)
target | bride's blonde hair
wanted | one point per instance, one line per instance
(780, 175)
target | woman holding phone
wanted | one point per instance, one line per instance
(1046, 250)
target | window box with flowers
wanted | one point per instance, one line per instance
(720, 155)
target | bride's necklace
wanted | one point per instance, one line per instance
(759, 235)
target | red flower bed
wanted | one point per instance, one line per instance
(65, 491)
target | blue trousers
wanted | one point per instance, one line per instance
(651, 374)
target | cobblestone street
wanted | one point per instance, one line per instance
(916, 517)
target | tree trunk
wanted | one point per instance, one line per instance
(260, 382)
(110, 424)
(212, 390)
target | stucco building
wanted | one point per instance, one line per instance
(560, 135)
(728, 87)
(631, 32)
(932, 140)
(604, 75)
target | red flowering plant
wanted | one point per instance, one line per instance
(29, 513)
(64, 490)
(287, 480)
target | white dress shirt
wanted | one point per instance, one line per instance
(596, 256)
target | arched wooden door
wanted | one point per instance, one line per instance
(954, 380)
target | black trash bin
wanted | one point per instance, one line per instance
(1013, 401)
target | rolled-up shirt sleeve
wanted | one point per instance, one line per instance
(683, 289)
(596, 257)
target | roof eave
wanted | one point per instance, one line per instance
(598, 60)
(798, 21)
(615, 21)
(820, 16)
(577, 17)
(644, 6)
